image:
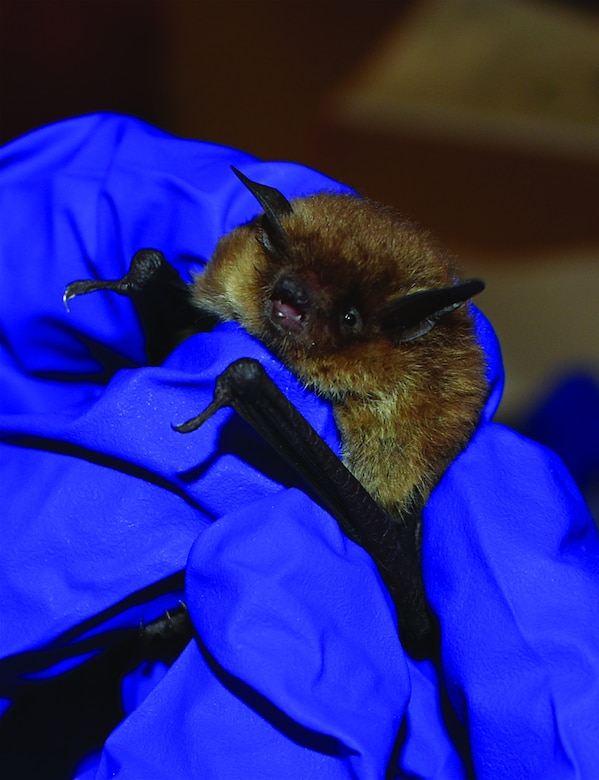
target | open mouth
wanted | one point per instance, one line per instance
(289, 306)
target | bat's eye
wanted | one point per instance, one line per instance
(352, 322)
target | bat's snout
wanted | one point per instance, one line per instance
(290, 304)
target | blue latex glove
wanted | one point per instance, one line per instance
(566, 419)
(298, 672)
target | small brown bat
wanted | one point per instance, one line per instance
(368, 311)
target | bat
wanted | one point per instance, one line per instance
(368, 311)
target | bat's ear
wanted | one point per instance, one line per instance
(275, 206)
(416, 314)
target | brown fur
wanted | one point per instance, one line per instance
(405, 409)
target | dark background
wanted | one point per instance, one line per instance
(260, 75)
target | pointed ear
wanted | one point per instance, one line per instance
(275, 206)
(415, 315)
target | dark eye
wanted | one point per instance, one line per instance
(352, 320)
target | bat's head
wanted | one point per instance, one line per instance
(347, 293)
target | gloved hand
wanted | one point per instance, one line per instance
(297, 670)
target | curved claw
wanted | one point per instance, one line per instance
(81, 287)
(195, 422)
(223, 396)
(145, 264)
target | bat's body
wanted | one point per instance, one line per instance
(367, 310)
(324, 293)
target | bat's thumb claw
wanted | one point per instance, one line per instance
(187, 427)
(223, 396)
(199, 420)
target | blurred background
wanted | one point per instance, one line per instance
(478, 118)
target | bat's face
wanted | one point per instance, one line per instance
(324, 293)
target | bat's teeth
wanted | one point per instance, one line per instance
(286, 311)
(287, 316)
